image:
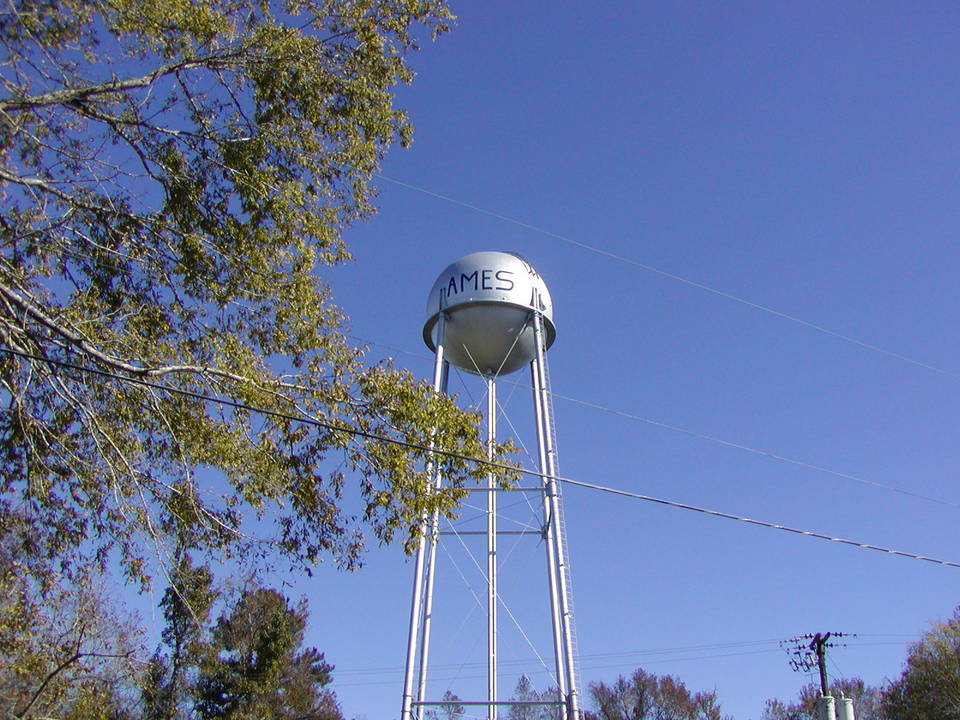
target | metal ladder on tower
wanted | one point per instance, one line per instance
(561, 522)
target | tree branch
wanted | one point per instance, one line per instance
(72, 95)
(59, 669)
(79, 341)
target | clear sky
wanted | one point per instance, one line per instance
(800, 159)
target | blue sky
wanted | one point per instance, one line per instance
(799, 156)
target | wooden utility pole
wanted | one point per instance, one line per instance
(819, 645)
(810, 651)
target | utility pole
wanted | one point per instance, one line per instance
(819, 646)
(810, 651)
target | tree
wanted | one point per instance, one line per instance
(646, 696)
(447, 712)
(64, 651)
(929, 687)
(257, 668)
(866, 701)
(249, 663)
(172, 175)
(526, 692)
(168, 685)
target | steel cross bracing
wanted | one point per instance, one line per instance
(552, 532)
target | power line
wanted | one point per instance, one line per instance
(673, 276)
(752, 521)
(710, 438)
(659, 661)
(628, 656)
(360, 677)
(624, 655)
(480, 461)
(758, 451)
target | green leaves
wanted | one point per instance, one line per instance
(247, 663)
(63, 651)
(177, 176)
(929, 686)
(256, 667)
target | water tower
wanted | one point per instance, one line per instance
(490, 313)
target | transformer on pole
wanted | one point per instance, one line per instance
(490, 314)
(813, 654)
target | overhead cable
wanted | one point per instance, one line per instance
(757, 451)
(673, 276)
(709, 438)
(625, 656)
(628, 657)
(673, 660)
(752, 521)
(479, 461)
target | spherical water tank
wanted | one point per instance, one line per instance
(488, 299)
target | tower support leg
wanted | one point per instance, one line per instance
(549, 530)
(561, 612)
(558, 567)
(422, 597)
(431, 567)
(491, 552)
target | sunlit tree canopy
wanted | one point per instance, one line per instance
(172, 176)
